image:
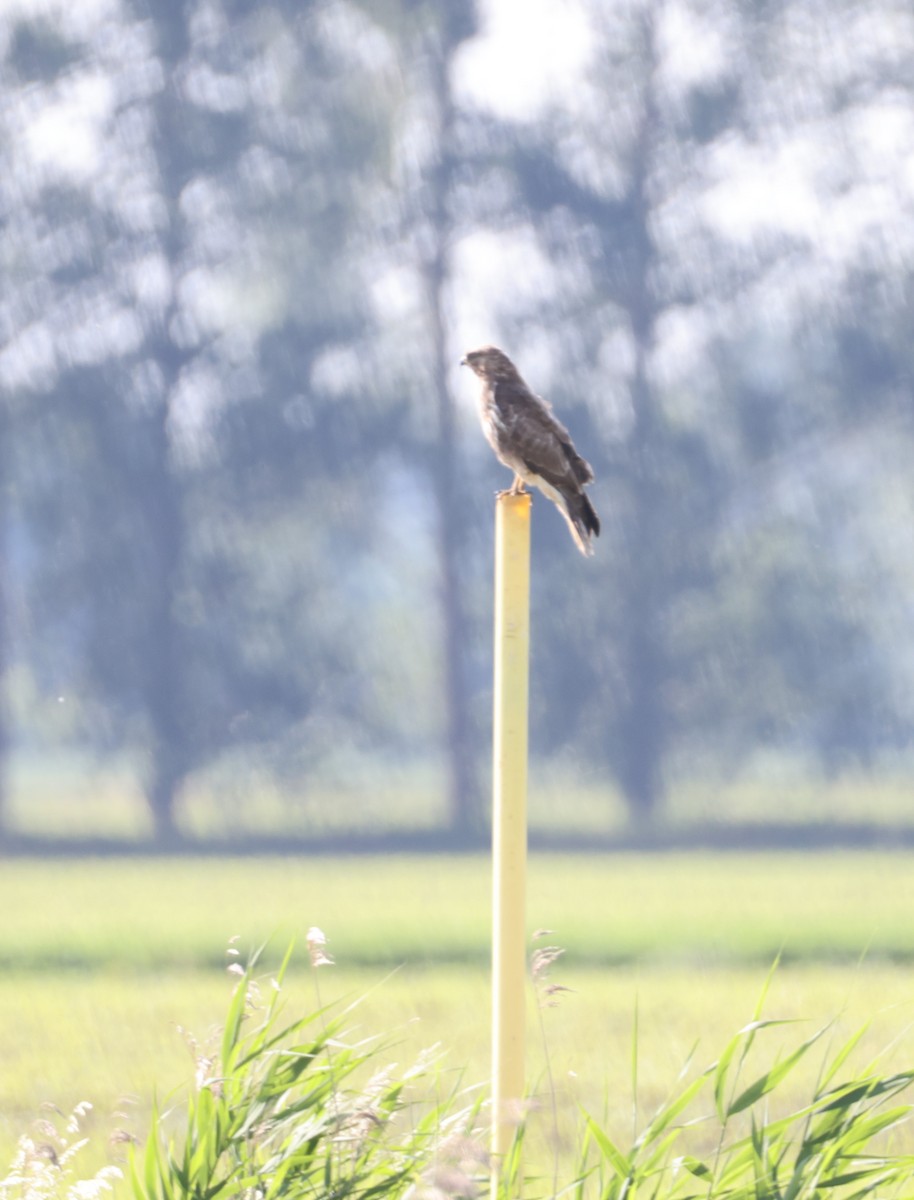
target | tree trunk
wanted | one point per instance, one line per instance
(4, 623)
(464, 807)
(161, 502)
(643, 720)
(464, 798)
(643, 724)
(164, 686)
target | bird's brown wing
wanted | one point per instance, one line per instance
(539, 440)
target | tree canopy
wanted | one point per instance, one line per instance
(244, 504)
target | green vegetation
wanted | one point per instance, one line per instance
(180, 913)
(104, 960)
(276, 1110)
(296, 1104)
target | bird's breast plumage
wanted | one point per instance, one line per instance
(495, 428)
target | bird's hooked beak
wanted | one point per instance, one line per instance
(464, 362)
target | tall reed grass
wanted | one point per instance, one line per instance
(300, 1106)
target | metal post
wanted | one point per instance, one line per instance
(509, 818)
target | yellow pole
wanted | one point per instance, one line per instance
(509, 818)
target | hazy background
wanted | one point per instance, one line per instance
(245, 506)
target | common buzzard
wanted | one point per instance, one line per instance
(528, 439)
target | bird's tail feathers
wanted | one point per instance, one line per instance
(582, 520)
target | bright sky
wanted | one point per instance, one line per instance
(526, 55)
(517, 68)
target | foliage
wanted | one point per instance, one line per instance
(47, 1164)
(292, 1107)
(280, 1111)
(243, 512)
(709, 396)
(833, 1144)
(187, 436)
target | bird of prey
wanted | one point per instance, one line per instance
(528, 439)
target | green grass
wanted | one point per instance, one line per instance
(298, 1103)
(106, 1037)
(387, 911)
(103, 959)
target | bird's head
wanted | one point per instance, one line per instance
(488, 362)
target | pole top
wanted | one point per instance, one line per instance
(515, 502)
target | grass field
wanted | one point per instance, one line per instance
(153, 914)
(103, 959)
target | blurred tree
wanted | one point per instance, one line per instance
(308, 464)
(185, 254)
(650, 504)
(236, 237)
(661, 485)
(804, 357)
(444, 35)
(636, 182)
(156, 483)
(267, 153)
(426, 218)
(5, 561)
(95, 232)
